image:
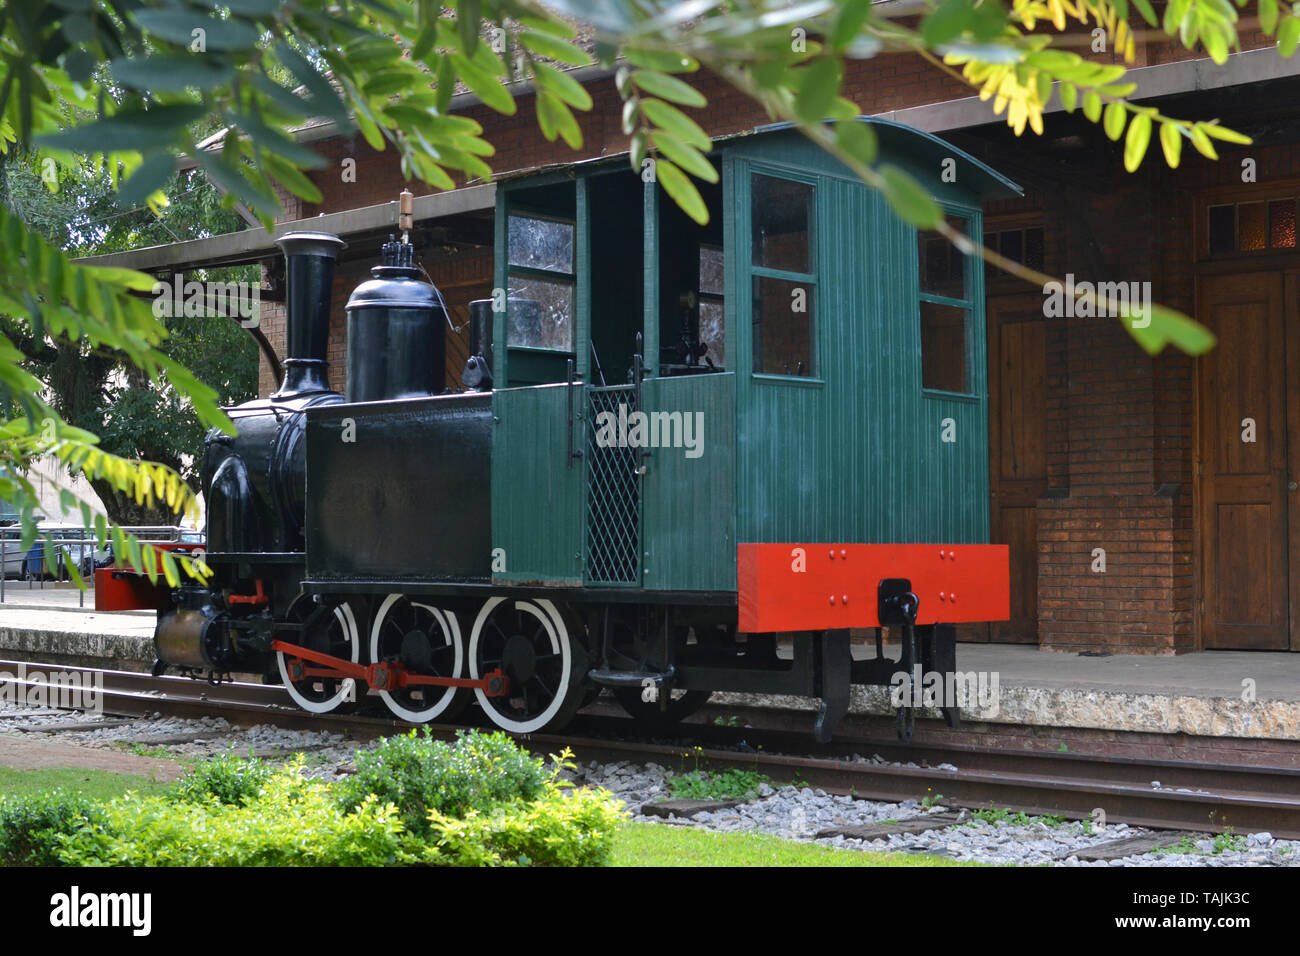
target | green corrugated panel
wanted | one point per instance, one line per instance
(688, 514)
(537, 499)
(856, 456)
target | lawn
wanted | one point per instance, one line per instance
(96, 784)
(651, 844)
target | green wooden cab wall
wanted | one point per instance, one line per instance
(848, 446)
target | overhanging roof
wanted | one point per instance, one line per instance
(254, 245)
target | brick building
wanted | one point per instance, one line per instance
(1174, 475)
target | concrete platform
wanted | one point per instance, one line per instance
(48, 625)
(1215, 693)
(1212, 694)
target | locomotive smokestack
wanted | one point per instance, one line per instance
(309, 275)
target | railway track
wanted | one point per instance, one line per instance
(1156, 793)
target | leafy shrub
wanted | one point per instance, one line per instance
(30, 825)
(226, 778)
(559, 828)
(294, 821)
(419, 774)
(730, 784)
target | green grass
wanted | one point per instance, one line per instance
(96, 784)
(730, 784)
(1223, 842)
(651, 844)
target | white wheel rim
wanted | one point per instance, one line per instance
(450, 632)
(558, 635)
(347, 687)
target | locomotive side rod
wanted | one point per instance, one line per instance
(385, 675)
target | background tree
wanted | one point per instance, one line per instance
(93, 389)
(128, 84)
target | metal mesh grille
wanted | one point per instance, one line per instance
(613, 495)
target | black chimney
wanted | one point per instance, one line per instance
(309, 275)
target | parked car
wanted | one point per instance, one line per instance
(72, 545)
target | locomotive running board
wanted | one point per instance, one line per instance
(814, 587)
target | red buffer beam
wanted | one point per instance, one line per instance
(813, 587)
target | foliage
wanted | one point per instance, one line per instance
(294, 822)
(226, 778)
(731, 784)
(91, 388)
(30, 825)
(235, 812)
(126, 86)
(419, 774)
(557, 828)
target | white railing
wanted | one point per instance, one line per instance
(29, 564)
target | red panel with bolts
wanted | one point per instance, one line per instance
(126, 589)
(813, 587)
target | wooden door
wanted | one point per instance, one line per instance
(1242, 468)
(1017, 450)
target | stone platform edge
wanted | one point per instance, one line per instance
(1086, 709)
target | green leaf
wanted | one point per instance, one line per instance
(1202, 142)
(683, 192)
(148, 177)
(949, 21)
(424, 42)
(484, 85)
(1225, 134)
(1171, 141)
(323, 96)
(1116, 116)
(136, 130)
(446, 83)
(660, 60)
(858, 139)
(1147, 11)
(1268, 10)
(469, 20)
(554, 48)
(853, 14)
(172, 74)
(1069, 96)
(686, 156)
(1137, 141)
(1165, 326)
(276, 141)
(1092, 106)
(283, 99)
(669, 88)
(178, 26)
(291, 178)
(368, 125)
(818, 86)
(670, 118)
(909, 199)
(562, 85)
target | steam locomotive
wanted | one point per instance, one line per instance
(494, 545)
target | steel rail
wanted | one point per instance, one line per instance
(1191, 796)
